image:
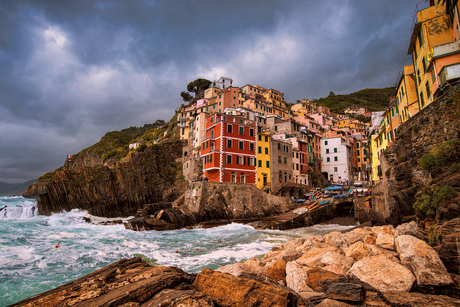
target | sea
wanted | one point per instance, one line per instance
(30, 262)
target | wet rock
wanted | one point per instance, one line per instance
(382, 274)
(320, 280)
(414, 299)
(128, 281)
(277, 270)
(423, 260)
(227, 290)
(346, 292)
(332, 303)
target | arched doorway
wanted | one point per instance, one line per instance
(233, 177)
(242, 180)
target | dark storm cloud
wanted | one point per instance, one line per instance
(72, 70)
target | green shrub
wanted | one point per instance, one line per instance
(431, 197)
(438, 155)
(141, 148)
(403, 159)
(149, 261)
(454, 168)
(434, 236)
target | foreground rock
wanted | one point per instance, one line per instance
(304, 272)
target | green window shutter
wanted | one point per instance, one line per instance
(260, 163)
(266, 150)
(268, 164)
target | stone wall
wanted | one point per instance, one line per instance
(403, 177)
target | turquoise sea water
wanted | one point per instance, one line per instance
(30, 263)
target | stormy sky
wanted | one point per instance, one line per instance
(70, 71)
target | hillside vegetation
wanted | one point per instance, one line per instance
(372, 99)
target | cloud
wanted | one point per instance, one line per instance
(72, 71)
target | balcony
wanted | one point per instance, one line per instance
(449, 73)
(182, 125)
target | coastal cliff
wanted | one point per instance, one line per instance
(146, 177)
(405, 172)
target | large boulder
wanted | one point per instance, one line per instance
(410, 228)
(385, 240)
(314, 257)
(357, 251)
(346, 292)
(228, 290)
(277, 270)
(320, 280)
(296, 277)
(423, 260)
(382, 274)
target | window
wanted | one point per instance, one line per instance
(220, 103)
(241, 131)
(229, 159)
(335, 149)
(212, 133)
(297, 155)
(285, 160)
(327, 150)
(266, 139)
(259, 149)
(359, 160)
(229, 128)
(229, 143)
(260, 137)
(240, 145)
(297, 166)
(428, 90)
(279, 146)
(251, 132)
(260, 163)
(266, 150)
(336, 158)
(207, 144)
(392, 112)
(203, 146)
(242, 178)
(335, 169)
(281, 177)
(251, 146)
(279, 159)
(276, 128)
(328, 159)
(268, 164)
(325, 142)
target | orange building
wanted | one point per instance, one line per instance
(228, 150)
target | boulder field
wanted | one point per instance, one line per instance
(369, 266)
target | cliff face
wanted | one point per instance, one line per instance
(118, 191)
(403, 177)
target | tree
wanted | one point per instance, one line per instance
(198, 87)
(186, 96)
(331, 93)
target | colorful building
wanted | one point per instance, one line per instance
(432, 28)
(229, 149)
(263, 158)
(406, 94)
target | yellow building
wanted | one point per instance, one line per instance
(263, 159)
(275, 98)
(406, 94)
(431, 28)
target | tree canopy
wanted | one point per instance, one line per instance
(198, 87)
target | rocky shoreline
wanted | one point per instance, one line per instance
(367, 266)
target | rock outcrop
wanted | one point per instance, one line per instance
(117, 191)
(403, 178)
(208, 204)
